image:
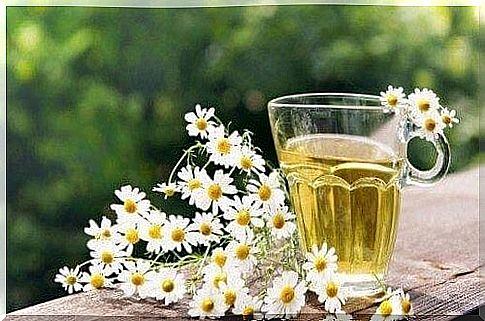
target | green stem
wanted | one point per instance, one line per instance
(185, 154)
(380, 282)
(183, 261)
(84, 263)
(155, 260)
(218, 120)
(202, 262)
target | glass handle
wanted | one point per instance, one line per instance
(417, 177)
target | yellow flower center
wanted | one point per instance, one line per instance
(178, 234)
(218, 278)
(137, 279)
(107, 257)
(97, 280)
(246, 162)
(406, 306)
(194, 184)
(264, 192)
(201, 124)
(242, 251)
(220, 258)
(385, 308)
(214, 192)
(207, 305)
(248, 311)
(446, 119)
(320, 263)
(132, 236)
(243, 217)
(331, 289)
(130, 206)
(105, 234)
(224, 146)
(392, 100)
(205, 229)
(155, 231)
(169, 191)
(230, 297)
(71, 279)
(287, 294)
(429, 124)
(423, 105)
(168, 285)
(278, 221)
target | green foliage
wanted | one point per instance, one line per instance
(96, 98)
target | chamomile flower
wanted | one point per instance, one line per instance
(329, 292)
(223, 150)
(448, 117)
(248, 307)
(405, 304)
(135, 279)
(423, 101)
(167, 285)
(388, 310)
(242, 253)
(133, 205)
(95, 279)
(320, 263)
(69, 278)
(129, 235)
(151, 231)
(109, 256)
(219, 259)
(215, 192)
(267, 190)
(280, 221)
(178, 236)
(191, 182)
(392, 99)
(105, 232)
(207, 302)
(216, 277)
(430, 125)
(200, 122)
(232, 290)
(249, 161)
(286, 297)
(168, 189)
(208, 228)
(388, 294)
(242, 214)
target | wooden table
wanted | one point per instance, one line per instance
(436, 259)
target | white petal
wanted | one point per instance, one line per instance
(190, 117)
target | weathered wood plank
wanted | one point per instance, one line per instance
(436, 259)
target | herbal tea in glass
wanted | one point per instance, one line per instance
(344, 160)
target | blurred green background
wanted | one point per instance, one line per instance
(96, 98)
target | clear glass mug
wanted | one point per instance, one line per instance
(345, 161)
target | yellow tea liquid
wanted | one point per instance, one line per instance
(345, 191)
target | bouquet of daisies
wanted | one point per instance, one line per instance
(235, 252)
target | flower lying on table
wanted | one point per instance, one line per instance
(242, 232)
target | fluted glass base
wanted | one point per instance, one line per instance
(361, 285)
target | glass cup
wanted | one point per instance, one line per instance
(345, 161)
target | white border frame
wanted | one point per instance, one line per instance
(145, 4)
(230, 3)
(3, 161)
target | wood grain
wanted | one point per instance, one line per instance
(436, 259)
